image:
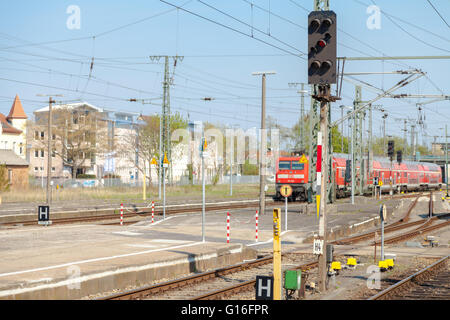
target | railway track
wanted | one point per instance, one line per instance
(145, 212)
(164, 290)
(159, 290)
(430, 283)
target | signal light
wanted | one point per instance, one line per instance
(323, 46)
(314, 24)
(391, 149)
(316, 64)
(327, 64)
(327, 22)
(399, 156)
(322, 43)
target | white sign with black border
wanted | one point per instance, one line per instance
(318, 246)
(44, 215)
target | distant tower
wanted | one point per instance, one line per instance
(18, 119)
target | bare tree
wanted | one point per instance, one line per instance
(145, 142)
(78, 136)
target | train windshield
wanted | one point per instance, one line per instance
(284, 165)
(297, 166)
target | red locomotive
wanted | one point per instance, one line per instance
(406, 176)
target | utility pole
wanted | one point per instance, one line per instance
(263, 144)
(203, 183)
(165, 112)
(302, 113)
(413, 142)
(370, 146)
(49, 147)
(342, 128)
(446, 159)
(322, 72)
(49, 152)
(353, 159)
(384, 132)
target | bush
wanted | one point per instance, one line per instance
(111, 176)
(86, 176)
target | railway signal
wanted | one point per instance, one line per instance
(390, 150)
(322, 47)
(399, 156)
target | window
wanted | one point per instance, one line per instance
(36, 135)
(42, 153)
(10, 175)
(42, 168)
(36, 169)
(53, 153)
(36, 153)
(21, 150)
(42, 135)
(284, 165)
(53, 136)
(297, 166)
(53, 169)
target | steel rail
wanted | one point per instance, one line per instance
(244, 286)
(177, 283)
(146, 213)
(405, 283)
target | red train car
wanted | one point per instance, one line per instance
(406, 176)
(294, 173)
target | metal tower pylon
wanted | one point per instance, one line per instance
(357, 134)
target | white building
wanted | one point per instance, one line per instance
(13, 129)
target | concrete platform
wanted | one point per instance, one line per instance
(79, 261)
(74, 261)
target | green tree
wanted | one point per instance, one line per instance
(4, 181)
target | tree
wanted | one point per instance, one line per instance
(4, 181)
(145, 142)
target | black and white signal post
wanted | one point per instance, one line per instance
(322, 72)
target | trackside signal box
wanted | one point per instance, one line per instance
(292, 279)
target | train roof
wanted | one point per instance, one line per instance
(381, 162)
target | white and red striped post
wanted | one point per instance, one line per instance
(121, 214)
(153, 211)
(256, 218)
(228, 227)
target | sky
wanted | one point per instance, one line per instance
(43, 50)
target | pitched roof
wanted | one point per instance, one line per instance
(16, 111)
(70, 106)
(6, 127)
(9, 158)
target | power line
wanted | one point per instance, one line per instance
(235, 30)
(438, 13)
(251, 26)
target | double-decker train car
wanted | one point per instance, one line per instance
(406, 176)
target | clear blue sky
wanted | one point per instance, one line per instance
(218, 61)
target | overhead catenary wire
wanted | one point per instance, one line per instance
(235, 30)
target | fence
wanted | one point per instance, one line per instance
(117, 182)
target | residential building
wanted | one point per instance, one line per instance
(16, 167)
(85, 138)
(13, 129)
